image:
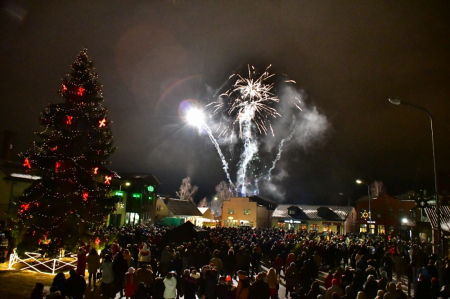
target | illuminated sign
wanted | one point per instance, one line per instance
(136, 195)
(150, 188)
(119, 193)
(292, 221)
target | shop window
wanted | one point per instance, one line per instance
(381, 229)
(314, 227)
(304, 227)
(326, 227)
(230, 211)
(363, 228)
(246, 211)
(371, 228)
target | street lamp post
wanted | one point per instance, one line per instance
(439, 242)
(368, 194)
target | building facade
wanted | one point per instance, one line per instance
(337, 219)
(387, 215)
(171, 211)
(251, 211)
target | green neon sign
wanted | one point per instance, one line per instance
(150, 197)
(150, 188)
(119, 193)
(136, 195)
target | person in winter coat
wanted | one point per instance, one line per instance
(142, 292)
(230, 263)
(243, 287)
(189, 285)
(159, 288)
(120, 267)
(278, 264)
(225, 290)
(382, 283)
(81, 262)
(128, 257)
(314, 291)
(392, 292)
(38, 291)
(259, 289)
(166, 257)
(335, 288)
(144, 275)
(328, 279)
(371, 287)
(59, 281)
(217, 262)
(291, 277)
(290, 259)
(130, 282)
(144, 255)
(93, 262)
(76, 285)
(107, 278)
(273, 280)
(210, 284)
(170, 286)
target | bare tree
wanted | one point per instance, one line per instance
(187, 191)
(203, 203)
(223, 192)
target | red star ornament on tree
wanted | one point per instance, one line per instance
(80, 91)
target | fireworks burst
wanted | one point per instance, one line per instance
(250, 100)
(252, 104)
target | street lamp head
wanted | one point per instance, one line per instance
(395, 101)
(359, 181)
(127, 184)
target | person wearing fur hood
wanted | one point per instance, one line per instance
(170, 286)
(144, 255)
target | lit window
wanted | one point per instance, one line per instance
(363, 228)
(230, 211)
(381, 229)
(314, 227)
(246, 211)
(371, 228)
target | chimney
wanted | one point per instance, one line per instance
(9, 140)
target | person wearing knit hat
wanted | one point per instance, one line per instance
(335, 288)
(130, 282)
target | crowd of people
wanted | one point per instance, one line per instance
(227, 264)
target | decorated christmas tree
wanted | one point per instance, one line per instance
(72, 198)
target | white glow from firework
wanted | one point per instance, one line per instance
(195, 117)
(279, 154)
(250, 100)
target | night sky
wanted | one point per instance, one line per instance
(347, 57)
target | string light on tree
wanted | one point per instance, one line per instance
(73, 197)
